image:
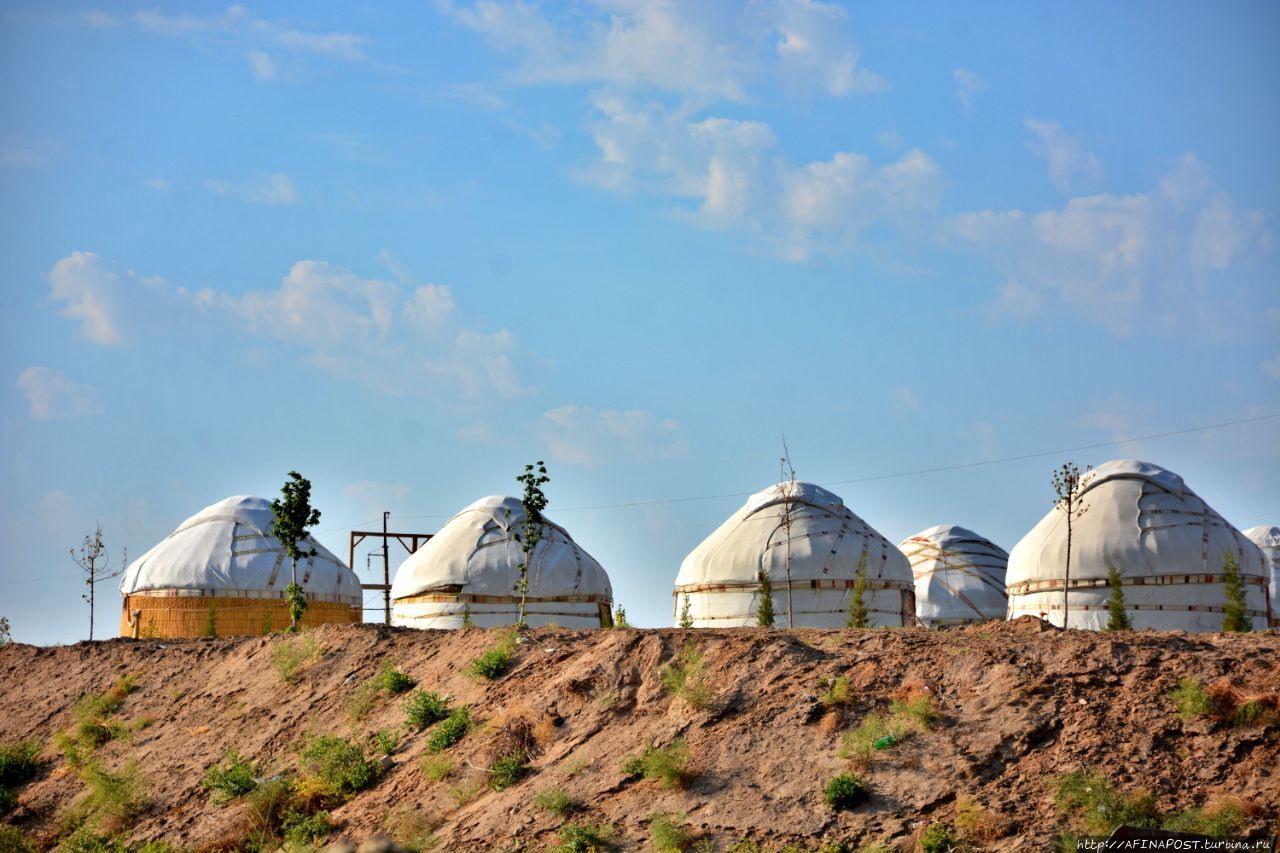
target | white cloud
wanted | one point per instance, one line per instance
(905, 400)
(1071, 167)
(1158, 258)
(968, 85)
(262, 65)
(1272, 366)
(274, 189)
(732, 175)
(52, 396)
(712, 49)
(97, 18)
(88, 290)
(158, 184)
(394, 339)
(582, 435)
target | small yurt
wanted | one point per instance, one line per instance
(222, 572)
(1167, 544)
(1268, 540)
(959, 576)
(470, 569)
(720, 579)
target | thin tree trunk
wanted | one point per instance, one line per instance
(293, 616)
(1066, 582)
(91, 586)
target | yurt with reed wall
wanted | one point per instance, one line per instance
(959, 576)
(222, 573)
(809, 544)
(469, 574)
(1267, 538)
(1168, 546)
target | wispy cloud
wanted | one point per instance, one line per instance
(968, 85)
(1071, 167)
(1158, 258)
(276, 189)
(583, 435)
(268, 46)
(88, 291)
(52, 396)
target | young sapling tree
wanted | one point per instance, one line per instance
(1069, 484)
(293, 515)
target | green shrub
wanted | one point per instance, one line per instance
(385, 741)
(423, 708)
(582, 837)
(491, 665)
(306, 829)
(845, 791)
(836, 692)
(1233, 618)
(8, 799)
(18, 762)
(669, 766)
(12, 839)
(339, 763)
(393, 680)
(1117, 616)
(686, 677)
(1092, 805)
(507, 771)
(937, 838)
(269, 804)
(556, 801)
(1191, 699)
(290, 656)
(114, 799)
(918, 709)
(450, 730)
(436, 766)
(234, 778)
(1220, 820)
(363, 700)
(669, 833)
(860, 744)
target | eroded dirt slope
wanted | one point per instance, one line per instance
(1020, 706)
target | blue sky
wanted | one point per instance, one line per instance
(406, 248)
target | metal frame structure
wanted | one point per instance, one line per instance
(358, 536)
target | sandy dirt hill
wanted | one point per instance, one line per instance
(1019, 706)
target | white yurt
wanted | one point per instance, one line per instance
(720, 579)
(471, 567)
(1166, 542)
(1268, 540)
(223, 571)
(959, 576)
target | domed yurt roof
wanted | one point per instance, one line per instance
(721, 576)
(959, 576)
(1268, 540)
(1167, 544)
(473, 563)
(227, 548)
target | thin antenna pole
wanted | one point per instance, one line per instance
(386, 571)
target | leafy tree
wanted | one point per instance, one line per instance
(859, 616)
(764, 610)
(467, 621)
(1233, 618)
(293, 515)
(96, 563)
(1117, 617)
(6, 631)
(534, 502)
(1068, 487)
(620, 618)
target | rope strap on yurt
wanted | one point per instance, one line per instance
(259, 594)
(782, 584)
(1036, 607)
(462, 597)
(1055, 584)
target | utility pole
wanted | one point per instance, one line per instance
(386, 570)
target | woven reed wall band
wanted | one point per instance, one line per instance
(448, 597)
(781, 584)
(1180, 608)
(1053, 584)
(174, 617)
(267, 594)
